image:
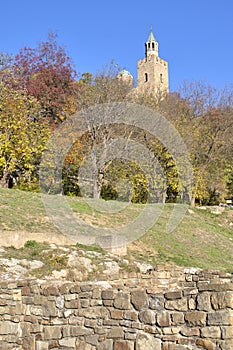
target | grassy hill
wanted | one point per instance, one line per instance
(203, 239)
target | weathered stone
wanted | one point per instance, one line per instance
(139, 299)
(156, 302)
(42, 345)
(203, 302)
(92, 339)
(222, 300)
(215, 287)
(191, 304)
(220, 318)
(28, 343)
(177, 318)
(82, 345)
(163, 319)
(72, 304)
(115, 332)
(227, 332)
(51, 290)
(211, 332)
(147, 317)
(179, 304)
(205, 344)
(60, 302)
(77, 331)
(130, 315)
(107, 294)
(67, 342)
(190, 332)
(117, 314)
(96, 312)
(52, 332)
(123, 345)
(122, 301)
(173, 295)
(225, 344)
(147, 342)
(196, 318)
(105, 345)
(7, 327)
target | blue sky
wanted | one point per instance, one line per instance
(195, 36)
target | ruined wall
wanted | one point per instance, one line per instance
(162, 310)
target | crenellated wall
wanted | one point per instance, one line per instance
(161, 310)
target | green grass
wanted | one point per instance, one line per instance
(202, 239)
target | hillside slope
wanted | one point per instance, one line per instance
(203, 239)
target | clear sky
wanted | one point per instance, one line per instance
(195, 36)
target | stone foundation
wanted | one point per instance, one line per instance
(176, 309)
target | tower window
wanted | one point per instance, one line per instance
(146, 77)
(148, 45)
(153, 45)
(161, 78)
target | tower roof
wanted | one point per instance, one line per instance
(151, 36)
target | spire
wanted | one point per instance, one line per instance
(151, 36)
(151, 44)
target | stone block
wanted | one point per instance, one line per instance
(42, 345)
(29, 343)
(123, 345)
(211, 332)
(190, 332)
(205, 344)
(203, 302)
(222, 300)
(179, 304)
(122, 301)
(115, 332)
(173, 295)
(52, 332)
(220, 318)
(147, 317)
(227, 332)
(147, 342)
(117, 314)
(130, 315)
(177, 318)
(156, 302)
(76, 331)
(196, 318)
(50, 290)
(7, 327)
(72, 304)
(67, 342)
(139, 299)
(163, 319)
(82, 345)
(225, 344)
(92, 339)
(107, 294)
(105, 345)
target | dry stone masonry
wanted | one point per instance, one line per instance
(177, 309)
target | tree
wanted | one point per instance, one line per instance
(207, 131)
(46, 73)
(92, 90)
(23, 135)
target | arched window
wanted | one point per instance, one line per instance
(161, 78)
(146, 77)
(148, 45)
(153, 45)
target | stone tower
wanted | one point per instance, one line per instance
(152, 70)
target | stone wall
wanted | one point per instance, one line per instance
(161, 310)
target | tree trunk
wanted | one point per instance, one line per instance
(192, 200)
(4, 179)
